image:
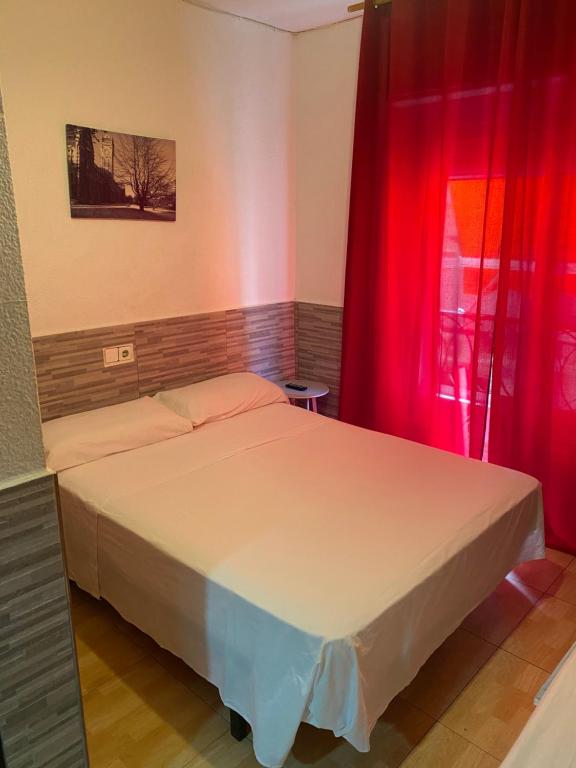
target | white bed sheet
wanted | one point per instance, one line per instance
(549, 738)
(306, 567)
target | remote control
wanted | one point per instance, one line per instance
(297, 387)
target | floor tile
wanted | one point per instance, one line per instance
(561, 558)
(146, 719)
(541, 574)
(84, 607)
(182, 672)
(226, 752)
(502, 611)
(103, 651)
(146, 708)
(546, 634)
(565, 586)
(447, 672)
(494, 708)
(144, 641)
(442, 748)
(396, 734)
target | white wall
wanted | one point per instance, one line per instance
(325, 78)
(263, 122)
(220, 86)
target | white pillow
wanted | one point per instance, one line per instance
(84, 437)
(220, 398)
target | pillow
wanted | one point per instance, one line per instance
(84, 437)
(220, 398)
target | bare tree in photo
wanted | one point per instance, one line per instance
(142, 164)
(120, 176)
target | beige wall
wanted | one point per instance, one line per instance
(325, 75)
(220, 86)
(263, 122)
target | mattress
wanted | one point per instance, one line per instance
(306, 567)
(548, 738)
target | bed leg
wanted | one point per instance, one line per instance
(238, 726)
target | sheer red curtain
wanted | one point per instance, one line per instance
(460, 306)
(533, 411)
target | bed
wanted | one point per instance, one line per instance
(305, 567)
(548, 738)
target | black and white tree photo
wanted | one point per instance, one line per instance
(120, 176)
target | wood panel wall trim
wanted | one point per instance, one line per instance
(70, 374)
(169, 353)
(275, 340)
(180, 350)
(262, 339)
(319, 349)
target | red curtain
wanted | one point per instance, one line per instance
(460, 306)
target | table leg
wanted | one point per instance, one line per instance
(314, 405)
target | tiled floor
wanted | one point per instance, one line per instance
(145, 709)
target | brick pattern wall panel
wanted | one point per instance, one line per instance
(319, 349)
(261, 339)
(40, 707)
(71, 376)
(169, 353)
(181, 350)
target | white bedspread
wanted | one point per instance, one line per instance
(549, 738)
(306, 567)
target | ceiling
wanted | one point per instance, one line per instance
(289, 15)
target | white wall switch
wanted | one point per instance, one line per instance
(110, 356)
(118, 355)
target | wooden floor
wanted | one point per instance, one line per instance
(145, 709)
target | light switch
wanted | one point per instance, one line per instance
(110, 356)
(118, 355)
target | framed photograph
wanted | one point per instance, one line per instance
(120, 176)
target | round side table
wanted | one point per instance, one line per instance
(314, 390)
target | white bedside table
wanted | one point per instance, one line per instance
(314, 390)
